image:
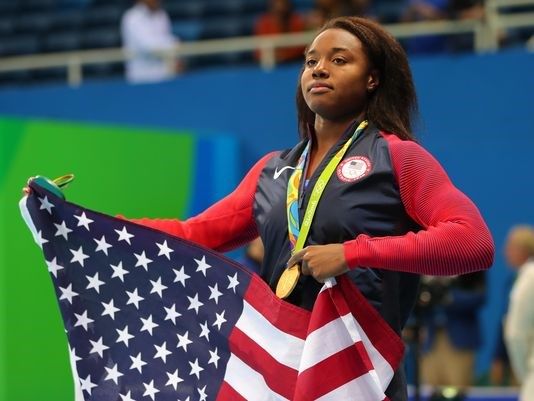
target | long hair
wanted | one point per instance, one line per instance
(393, 104)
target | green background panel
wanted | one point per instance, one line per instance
(118, 171)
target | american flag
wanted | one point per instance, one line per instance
(149, 316)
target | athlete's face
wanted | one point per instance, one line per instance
(337, 76)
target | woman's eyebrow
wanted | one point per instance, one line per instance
(333, 50)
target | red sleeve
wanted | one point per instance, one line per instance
(224, 226)
(454, 239)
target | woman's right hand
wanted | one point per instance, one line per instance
(27, 190)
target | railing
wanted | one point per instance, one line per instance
(486, 33)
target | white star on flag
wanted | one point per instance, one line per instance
(137, 363)
(202, 265)
(157, 287)
(205, 331)
(195, 369)
(181, 276)
(164, 250)
(83, 221)
(214, 357)
(162, 351)
(194, 303)
(233, 282)
(148, 324)
(109, 309)
(86, 384)
(142, 260)
(40, 240)
(202, 393)
(113, 374)
(98, 347)
(150, 390)
(78, 256)
(83, 320)
(102, 245)
(94, 282)
(118, 271)
(67, 293)
(215, 293)
(219, 320)
(126, 397)
(134, 298)
(174, 379)
(45, 204)
(124, 235)
(63, 230)
(183, 341)
(171, 313)
(53, 267)
(124, 336)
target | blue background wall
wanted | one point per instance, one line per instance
(477, 119)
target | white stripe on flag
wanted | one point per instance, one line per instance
(361, 388)
(28, 219)
(283, 347)
(247, 382)
(383, 369)
(317, 349)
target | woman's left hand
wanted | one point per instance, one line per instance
(321, 261)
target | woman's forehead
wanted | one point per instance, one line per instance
(334, 38)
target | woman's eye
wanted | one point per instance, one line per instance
(338, 60)
(311, 62)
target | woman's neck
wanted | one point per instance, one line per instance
(328, 132)
(326, 135)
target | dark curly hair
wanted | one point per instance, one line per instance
(393, 105)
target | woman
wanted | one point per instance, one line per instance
(387, 212)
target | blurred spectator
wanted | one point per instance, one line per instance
(280, 18)
(463, 10)
(146, 30)
(501, 373)
(466, 9)
(327, 9)
(452, 330)
(519, 327)
(426, 10)
(253, 257)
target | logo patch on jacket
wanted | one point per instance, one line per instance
(353, 168)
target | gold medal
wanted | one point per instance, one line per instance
(287, 282)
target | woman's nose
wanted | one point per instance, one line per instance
(320, 71)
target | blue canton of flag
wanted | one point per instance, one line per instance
(142, 320)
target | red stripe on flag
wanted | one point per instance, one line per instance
(279, 378)
(287, 317)
(383, 337)
(324, 311)
(227, 393)
(332, 372)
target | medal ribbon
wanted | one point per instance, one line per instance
(298, 234)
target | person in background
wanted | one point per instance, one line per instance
(501, 373)
(327, 9)
(452, 329)
(280, 18)
(519, 323)
(146, 30)
(425, 10)
(253, 256)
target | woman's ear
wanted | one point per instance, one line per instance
(373, 81)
